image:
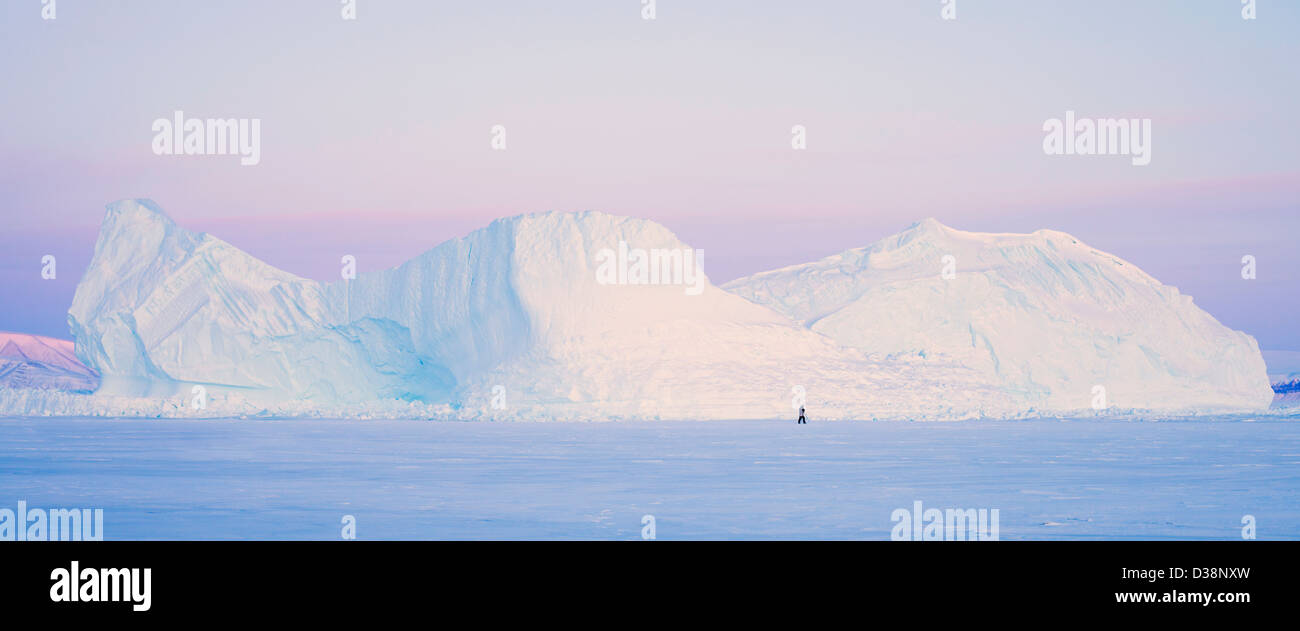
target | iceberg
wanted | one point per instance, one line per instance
(511, 321)
(1052, 321)
(525, 319)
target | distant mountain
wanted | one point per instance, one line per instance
(1044, 315)
(1286, 394)
(1283, 366)
(31, 361)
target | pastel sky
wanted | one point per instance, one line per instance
(375, 132)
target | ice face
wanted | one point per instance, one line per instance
(1044, 316)
(160, 305)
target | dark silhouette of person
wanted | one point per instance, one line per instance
(802, 420)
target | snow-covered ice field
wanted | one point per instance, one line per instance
(280, 479)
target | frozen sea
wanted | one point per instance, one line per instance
(296, 479)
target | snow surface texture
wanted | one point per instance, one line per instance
(222, 479)
(35, 362)
(1043, 315)
(511, 322)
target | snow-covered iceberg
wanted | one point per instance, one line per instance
(1043, 315)
(524, 319)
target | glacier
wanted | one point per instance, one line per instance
(512, 322)
(1053, 321)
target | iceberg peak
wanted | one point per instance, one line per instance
(135, 207)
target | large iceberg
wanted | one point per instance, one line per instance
(511, 321)
(526, 319)
(1055, 323)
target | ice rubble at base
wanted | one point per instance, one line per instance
(512, 314)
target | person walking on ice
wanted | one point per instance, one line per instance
(802, 419)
